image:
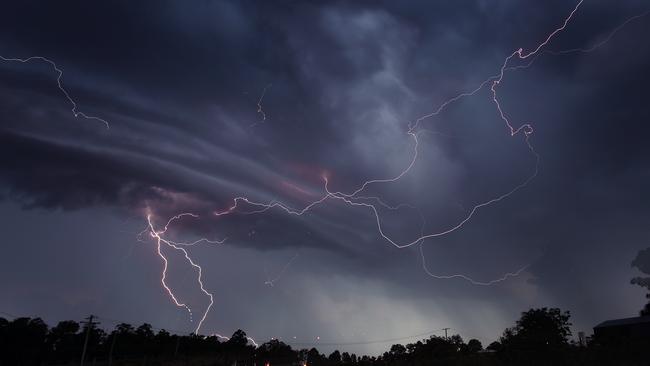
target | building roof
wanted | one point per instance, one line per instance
(624, 321)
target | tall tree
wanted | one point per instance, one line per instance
(275, 352)
(539, 331)
(335, 357)
(474, 346)
(64, 341)
(642, 263)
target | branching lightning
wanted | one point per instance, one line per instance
(259, 103)
(350, 198)
(250, 339)
(158, 236)
(260, 110)
(467, 278)
(270, 281)
(355, 197)
(59, 83)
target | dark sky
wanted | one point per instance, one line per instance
(180, 82)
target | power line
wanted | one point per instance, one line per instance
(369, 342)
(174, 331)
(9, 314)
(90, 325)
(432, 332)
(473, 335)
(353, 343)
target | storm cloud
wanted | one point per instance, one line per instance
(180, 85)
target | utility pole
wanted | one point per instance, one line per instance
(178, 343)
(110, 353)
(89, 325)
(446, 329)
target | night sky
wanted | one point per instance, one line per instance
(212, 100)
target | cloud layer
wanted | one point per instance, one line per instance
(181, 83)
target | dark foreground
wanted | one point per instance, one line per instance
(540, 337)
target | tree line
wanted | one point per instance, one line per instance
(540, 337)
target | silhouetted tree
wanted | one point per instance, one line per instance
(646, 309)
(64, 341)
(495, 346)
(346, 358)
(4, 334)
(302, 354)
(314, 358)
(123, 340)
(237, 348)
(539, 332)
(144, 331)
(441, 348)
(275, 352)
(25, 341)
(238, 338)
(335, 358)
(124, 328)
(540, 337)
(474, 346)
(163, 343)
(642, 263)
(395, 355)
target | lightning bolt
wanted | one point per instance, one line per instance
(259, 103)
(160, 240)
(250, 339)
(355, 199)
(526, 128)
(260, 110)
(271, 281)
(349, 198)
(59, 83)
(467, 278)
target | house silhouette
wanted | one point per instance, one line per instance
(629, 332)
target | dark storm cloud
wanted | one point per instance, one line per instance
(180, 85)
(338, 70)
